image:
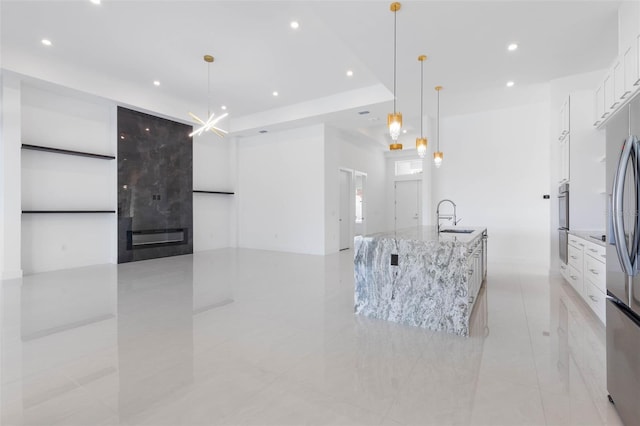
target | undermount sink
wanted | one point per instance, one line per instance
(456, 231)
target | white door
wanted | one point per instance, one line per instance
(346, 200)
(408, 203)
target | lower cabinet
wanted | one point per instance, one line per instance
(586, 272)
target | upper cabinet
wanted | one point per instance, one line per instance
(564, 120)
(622, 80)
(619, 85)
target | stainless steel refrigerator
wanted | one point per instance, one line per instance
(623, 277)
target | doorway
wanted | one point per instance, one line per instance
(360, 203)
(346, 201)
(408, 203)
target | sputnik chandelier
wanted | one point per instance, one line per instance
(210, 124)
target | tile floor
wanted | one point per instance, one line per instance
(247, 337)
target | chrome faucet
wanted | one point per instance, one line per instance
(451, 217)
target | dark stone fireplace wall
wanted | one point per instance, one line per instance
(155, 187)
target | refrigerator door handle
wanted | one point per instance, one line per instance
(617, 207)
(635, 238)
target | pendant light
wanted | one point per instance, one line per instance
(421, 142)
(211, 122)
(394, 120)
(437, 156)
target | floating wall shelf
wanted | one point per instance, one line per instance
(213, 192)
(67, 152)
(65, 211)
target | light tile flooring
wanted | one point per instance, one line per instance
(247, 337)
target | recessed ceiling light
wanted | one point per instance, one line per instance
(223, 107)
(295, 25)
(510, 83)
(156, 83)
(46, 42)
(404, 130)
(349, 73)
(275, 93)
(147, 129)
(512, 47)
(95, 1)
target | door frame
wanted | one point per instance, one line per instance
(350, 208)
(356, 174)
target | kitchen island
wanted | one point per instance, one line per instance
(420, 277)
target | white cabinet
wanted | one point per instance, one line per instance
(563, 119)
(636, 73)
(600, 109)
(630, 71)
(564, 160)
(608, 94)
(618, 83)
(621, 83)
(564, 132)
(586, 272)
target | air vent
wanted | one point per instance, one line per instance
(363, 112)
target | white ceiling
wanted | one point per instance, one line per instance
(130, 43)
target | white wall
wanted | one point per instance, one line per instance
(496, 169)
(212, 171)
(354, 153)
(281, 190)
(10, 265)
(61, 118)
(40, 113)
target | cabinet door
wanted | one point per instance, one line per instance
(575, 279)
(561, 130)
(618, 83)
(636, 75)
(564, 159)
(599, 105)
(608, 95)
(630, 71)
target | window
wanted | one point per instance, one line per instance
(408, 167)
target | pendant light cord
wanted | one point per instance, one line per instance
(438, 121)
(395, 30)
(421, 96)
(209, 90)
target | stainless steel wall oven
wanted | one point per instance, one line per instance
(563, 220)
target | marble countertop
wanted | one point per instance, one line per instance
(588, 235)
(430, 233)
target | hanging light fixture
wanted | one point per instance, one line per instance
(421, 142)
(211, 122)
(394, 120)
(437, 156)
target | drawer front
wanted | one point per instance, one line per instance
(575, 257)
(564, 271)
(596, 272)
(577, 242)
(595, 299)
(575, 279)
(596, 251)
